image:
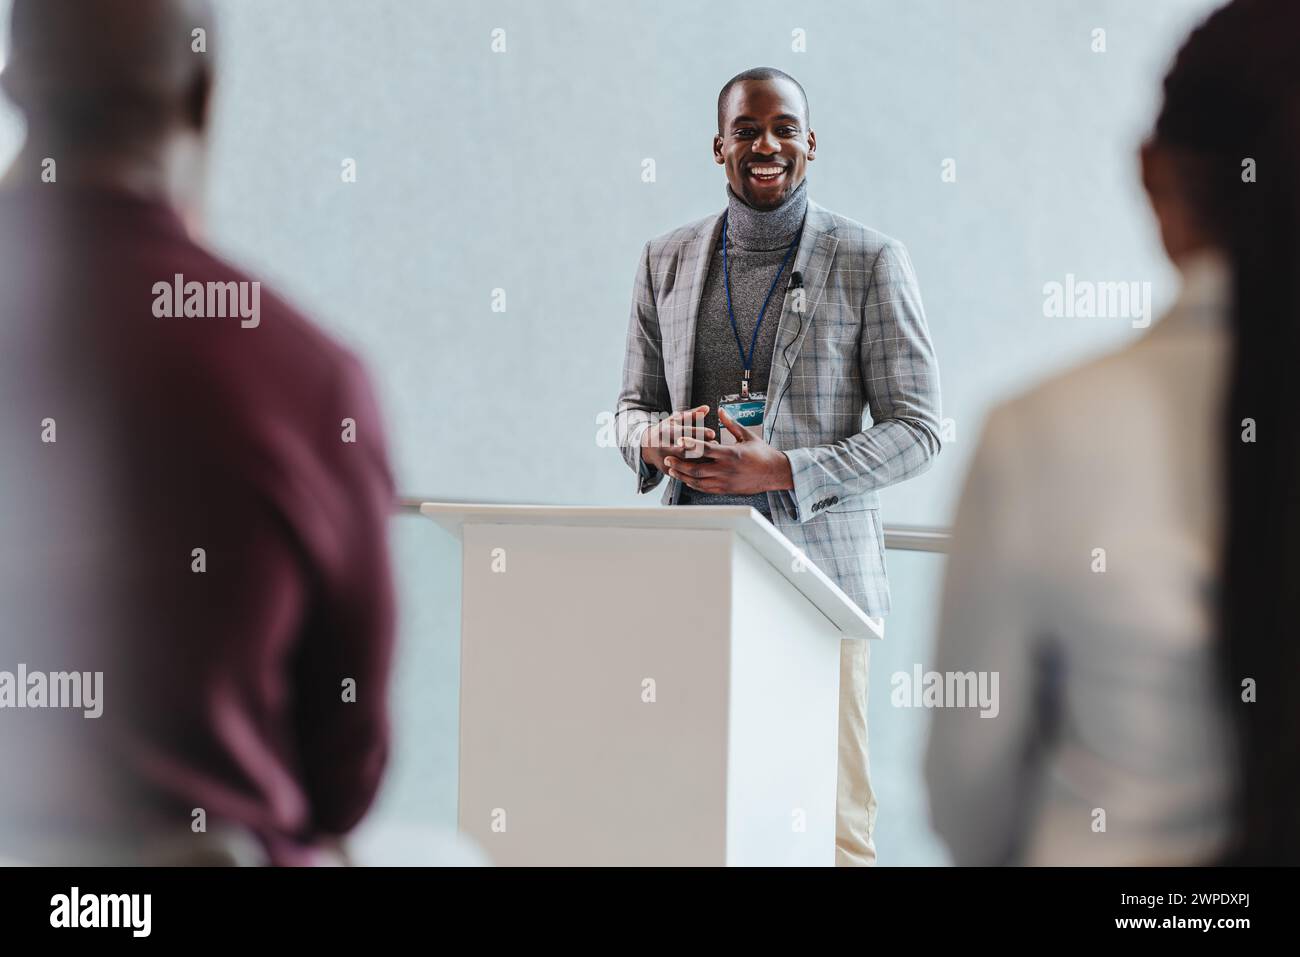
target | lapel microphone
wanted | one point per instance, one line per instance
(796, 280)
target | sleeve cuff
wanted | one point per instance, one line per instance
(803, 496)
(647, 477)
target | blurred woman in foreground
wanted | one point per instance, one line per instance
(1125, 553)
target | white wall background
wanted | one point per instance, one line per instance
(522, 171)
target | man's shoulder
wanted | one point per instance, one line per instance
(280, 368)
(849, 231)
(286, 375)
(284, 333)
(675, 239)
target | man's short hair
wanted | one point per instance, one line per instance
(759, 73)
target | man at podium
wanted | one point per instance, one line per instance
(802, 403)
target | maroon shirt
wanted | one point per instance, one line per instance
(226, 689)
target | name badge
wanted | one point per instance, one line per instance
(747, 412)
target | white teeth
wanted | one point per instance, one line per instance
(765, 170)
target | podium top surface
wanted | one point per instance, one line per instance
(744, 521)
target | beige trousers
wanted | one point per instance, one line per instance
(855, 801)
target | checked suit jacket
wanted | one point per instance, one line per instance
(853, 395)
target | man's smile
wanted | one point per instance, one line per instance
(765, 173)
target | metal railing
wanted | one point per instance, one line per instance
(902, 538)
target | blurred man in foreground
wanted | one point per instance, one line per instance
(196, 488)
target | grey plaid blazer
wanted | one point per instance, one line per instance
(853, 396)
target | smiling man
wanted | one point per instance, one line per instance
(778, 357)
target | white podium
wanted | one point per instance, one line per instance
(646, 686)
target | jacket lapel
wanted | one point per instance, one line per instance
(814, 258)
(695, 263)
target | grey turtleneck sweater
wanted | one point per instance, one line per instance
(757, 241)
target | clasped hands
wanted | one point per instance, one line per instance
(681, 447)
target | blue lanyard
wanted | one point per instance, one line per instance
(748, 360)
